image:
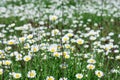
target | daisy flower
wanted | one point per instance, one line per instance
(99, 73)
(1, 71)
(27, 58)
(50, 78)
(79, 76)
(31, 74)
(16, 75)
(90, 66)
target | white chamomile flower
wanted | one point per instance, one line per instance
(1, 51)
(55, 32)
(99, 73)
(63, 78)
(22, 39)
(1, 71)
(11, 42)
(31, 74)
(50, 78)
(27, 58)
(8, 48)
(67, 56)
(79, 76)
(7, 62)
(65, 38)
(18, 57)
(53, 48)
(67, 46)
(70, 34)
(56, 54)
(34, 48)
(117, 57)
(16, 75)
(53, 17)
(80, 41)
(91, 61)
(30, 36)
(26, 46)
(90, 66)
(92, 38)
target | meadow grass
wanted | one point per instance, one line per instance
(59, 47)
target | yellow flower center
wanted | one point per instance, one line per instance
(17, 76)
(10, 43)
(27, 59)
(31, 74)
(99, 74)
(50, 79)
(79, 42)
(65, 39)
(52, 50)
(7, 62)
(34, 49)
(57, 55)
(1, 72)
(79, 76)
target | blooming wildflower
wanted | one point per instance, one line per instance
(53, 17)
(73, 40)
(93, 38)
(63, 66)
(89, 20)
(112, 20)
(27, 58)
(55, 32)
(80, 41)
(86, 56)
(65, 53)
(92, 61)
(79, 76)
(67, 46)
(107, 47)
(63, 78)
(111, 34)
(7, 62)
(18, 57)
(8, 48)
(56, 54)
(11, 25)
(50, 78)
(116, 51)
(117, 57)
(92, 33)
(87, 28)
(26, 46)
(30, 36)
(1, 51)
(1, 71)
(118, 35)
(17, 75)
(67, 56)
(34, 48)
(11, 42)
(22, 39)
(53, 48)
(90, 66)
(65, 38)
(2, 56)
(95, 24)
(99, 73)
(31, 74)
(115, 71)
(70, 34)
